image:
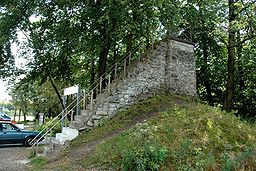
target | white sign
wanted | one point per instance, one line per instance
(41, 118)
(71, 90)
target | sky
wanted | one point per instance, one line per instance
(3, 92)
(19, 62)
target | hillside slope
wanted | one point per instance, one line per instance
(162, 133)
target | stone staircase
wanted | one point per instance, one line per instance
(167, 67)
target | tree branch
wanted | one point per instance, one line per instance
(249, 37)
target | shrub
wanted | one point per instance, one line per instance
(147, 158)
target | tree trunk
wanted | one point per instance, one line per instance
(206, 76)
(231, 59)
(129, 43)
(24, 113)
(19, 113)
(129, 48)
(114, 60)
(15, 113)
(240, 65)
(103, 63)
(92, 80)
(57, 92)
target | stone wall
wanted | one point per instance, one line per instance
(168, 67)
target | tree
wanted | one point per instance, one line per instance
(75, 42)
(236, 9)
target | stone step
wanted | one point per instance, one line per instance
(76, 124)
(61, 138)
(70, 131)
(67, 134)
(85, 112)
(84, 115)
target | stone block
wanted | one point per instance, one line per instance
(97, 117)
(103, 113)
(90, 123)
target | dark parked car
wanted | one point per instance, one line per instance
(11, 134)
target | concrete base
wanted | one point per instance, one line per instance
(67, 134)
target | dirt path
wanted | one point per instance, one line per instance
(13, 157)
(90, 146)
(86, 148)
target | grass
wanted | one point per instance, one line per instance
(179, 135)
(38, 162)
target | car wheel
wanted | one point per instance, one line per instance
(29, 141)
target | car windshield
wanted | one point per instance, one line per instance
(4, 116)
(8, 127)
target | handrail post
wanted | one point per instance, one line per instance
(153, 40)
(84, 99)
(129, 58)
(139, 52)
(63, 112)
(115, 70)
(100, 84)
(78, 96)
(36, 147)
(65, 119)
(91, 99)
(125, 68)
(72, 116)
(109, 81)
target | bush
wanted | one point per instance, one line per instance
(147, 158)
(56, 129)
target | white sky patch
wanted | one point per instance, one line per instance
(3, 92)
(34, 18)
(20, 62)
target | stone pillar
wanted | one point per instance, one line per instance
(181, 68)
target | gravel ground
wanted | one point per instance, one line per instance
(13, 157)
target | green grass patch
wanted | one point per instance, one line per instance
(123, 118)
(37, 162)
(180, 135)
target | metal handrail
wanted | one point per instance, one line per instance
(49, 130)
(92, 87)
(111, 69)
(49, 123)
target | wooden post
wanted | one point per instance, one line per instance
(100, 84)
(91, 99)
(109, 81)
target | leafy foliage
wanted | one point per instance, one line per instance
(75, 42)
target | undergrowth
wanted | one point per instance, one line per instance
(182, 135)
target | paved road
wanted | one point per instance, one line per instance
(13, 157)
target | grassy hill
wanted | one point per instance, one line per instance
(162, 133)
